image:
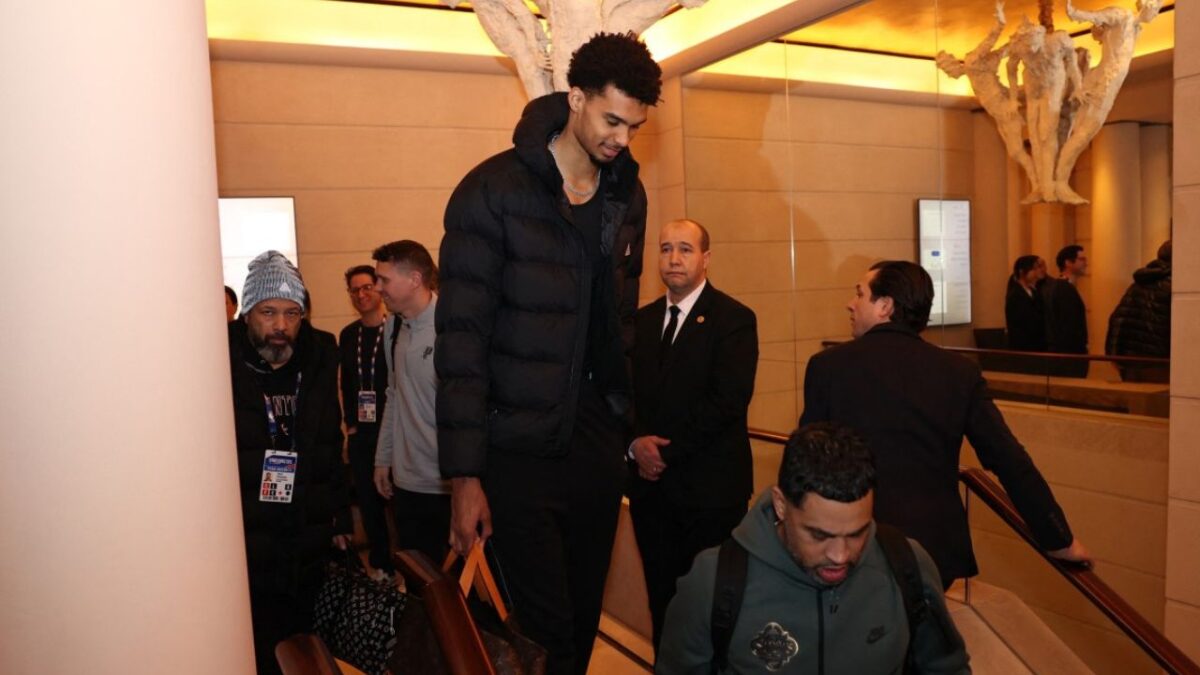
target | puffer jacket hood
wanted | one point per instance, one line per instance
(1154, 272)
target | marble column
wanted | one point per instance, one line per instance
(120, 527)
(1156, 189)
(1116, 224)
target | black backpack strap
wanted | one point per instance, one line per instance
(728, 589)
(907, 574)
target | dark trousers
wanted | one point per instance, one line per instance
(669, 537)
(276, 617)
(371, 506)
(422, 523)
(554, 521)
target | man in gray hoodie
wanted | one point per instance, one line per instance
(819, 594)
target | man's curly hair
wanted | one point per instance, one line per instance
(619, 59)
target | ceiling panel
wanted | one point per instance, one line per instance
(922, 27)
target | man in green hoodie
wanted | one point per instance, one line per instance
(819, 594)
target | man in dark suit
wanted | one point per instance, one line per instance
(914, 402)
(1065, 313)
(694, 359)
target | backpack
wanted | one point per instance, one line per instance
(730, 585)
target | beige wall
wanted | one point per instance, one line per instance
(833, 182)
(1183, 518)
(370, 154)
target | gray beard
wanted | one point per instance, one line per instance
(276, 356)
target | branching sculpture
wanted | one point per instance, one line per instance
(543, 57)
(1059, 102)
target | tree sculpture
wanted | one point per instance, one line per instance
(543, 57)
(1058, 102)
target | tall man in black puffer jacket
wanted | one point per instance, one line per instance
(1141, 323)
(295, 505)
(540, 266)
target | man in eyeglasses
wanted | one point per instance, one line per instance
(289, 442)
(364, 383)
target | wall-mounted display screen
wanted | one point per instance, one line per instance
(251, 225)
(944, 234)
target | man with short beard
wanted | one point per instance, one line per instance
(824, 588)
(289, 439)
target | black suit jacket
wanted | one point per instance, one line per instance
(1066, 317)
(914, 402)
(698, 399)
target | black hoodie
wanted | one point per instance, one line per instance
(516, 328)
(286, 544)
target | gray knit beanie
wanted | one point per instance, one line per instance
(272, 276)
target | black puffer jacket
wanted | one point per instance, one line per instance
(1141, 323)
(286, 544)
(516, 294)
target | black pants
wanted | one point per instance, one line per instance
(554, 521)
(422, 523)
(370, 504)
(669, 537)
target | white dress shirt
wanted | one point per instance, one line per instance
(685, 307)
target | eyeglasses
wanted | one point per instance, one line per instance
(365, 288)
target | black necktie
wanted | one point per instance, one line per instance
(668, 335)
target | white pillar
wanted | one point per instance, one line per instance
(1116, 224)
(1156, 189)
(120, 528)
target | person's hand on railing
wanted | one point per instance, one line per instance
(1075, 553)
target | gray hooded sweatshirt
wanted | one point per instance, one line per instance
(791, 623)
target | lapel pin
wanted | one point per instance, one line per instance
(700, 319)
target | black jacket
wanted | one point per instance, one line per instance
(1025, 319)
(348, 346)
(698, 399)
(1141, 323)
(1066, 317)
(516, 292)
(287, 543)
(914, 402)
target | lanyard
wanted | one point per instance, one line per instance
(367, 382)
(272, 425)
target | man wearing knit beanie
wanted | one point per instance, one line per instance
(295, 504)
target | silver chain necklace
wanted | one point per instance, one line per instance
(582, 194)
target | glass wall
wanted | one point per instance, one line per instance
(816, 154)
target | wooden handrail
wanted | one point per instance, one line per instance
(1129, 620)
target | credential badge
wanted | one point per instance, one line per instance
(775, 646)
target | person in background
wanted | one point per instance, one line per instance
(406, 457)
(694, 360)
(364, 383)
(1141, 323)
(1066, 315)
(1023, 313)
(230, 304)
(295, 505)
(914, 402)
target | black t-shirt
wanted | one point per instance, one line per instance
(588, 218)
(280, 387)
